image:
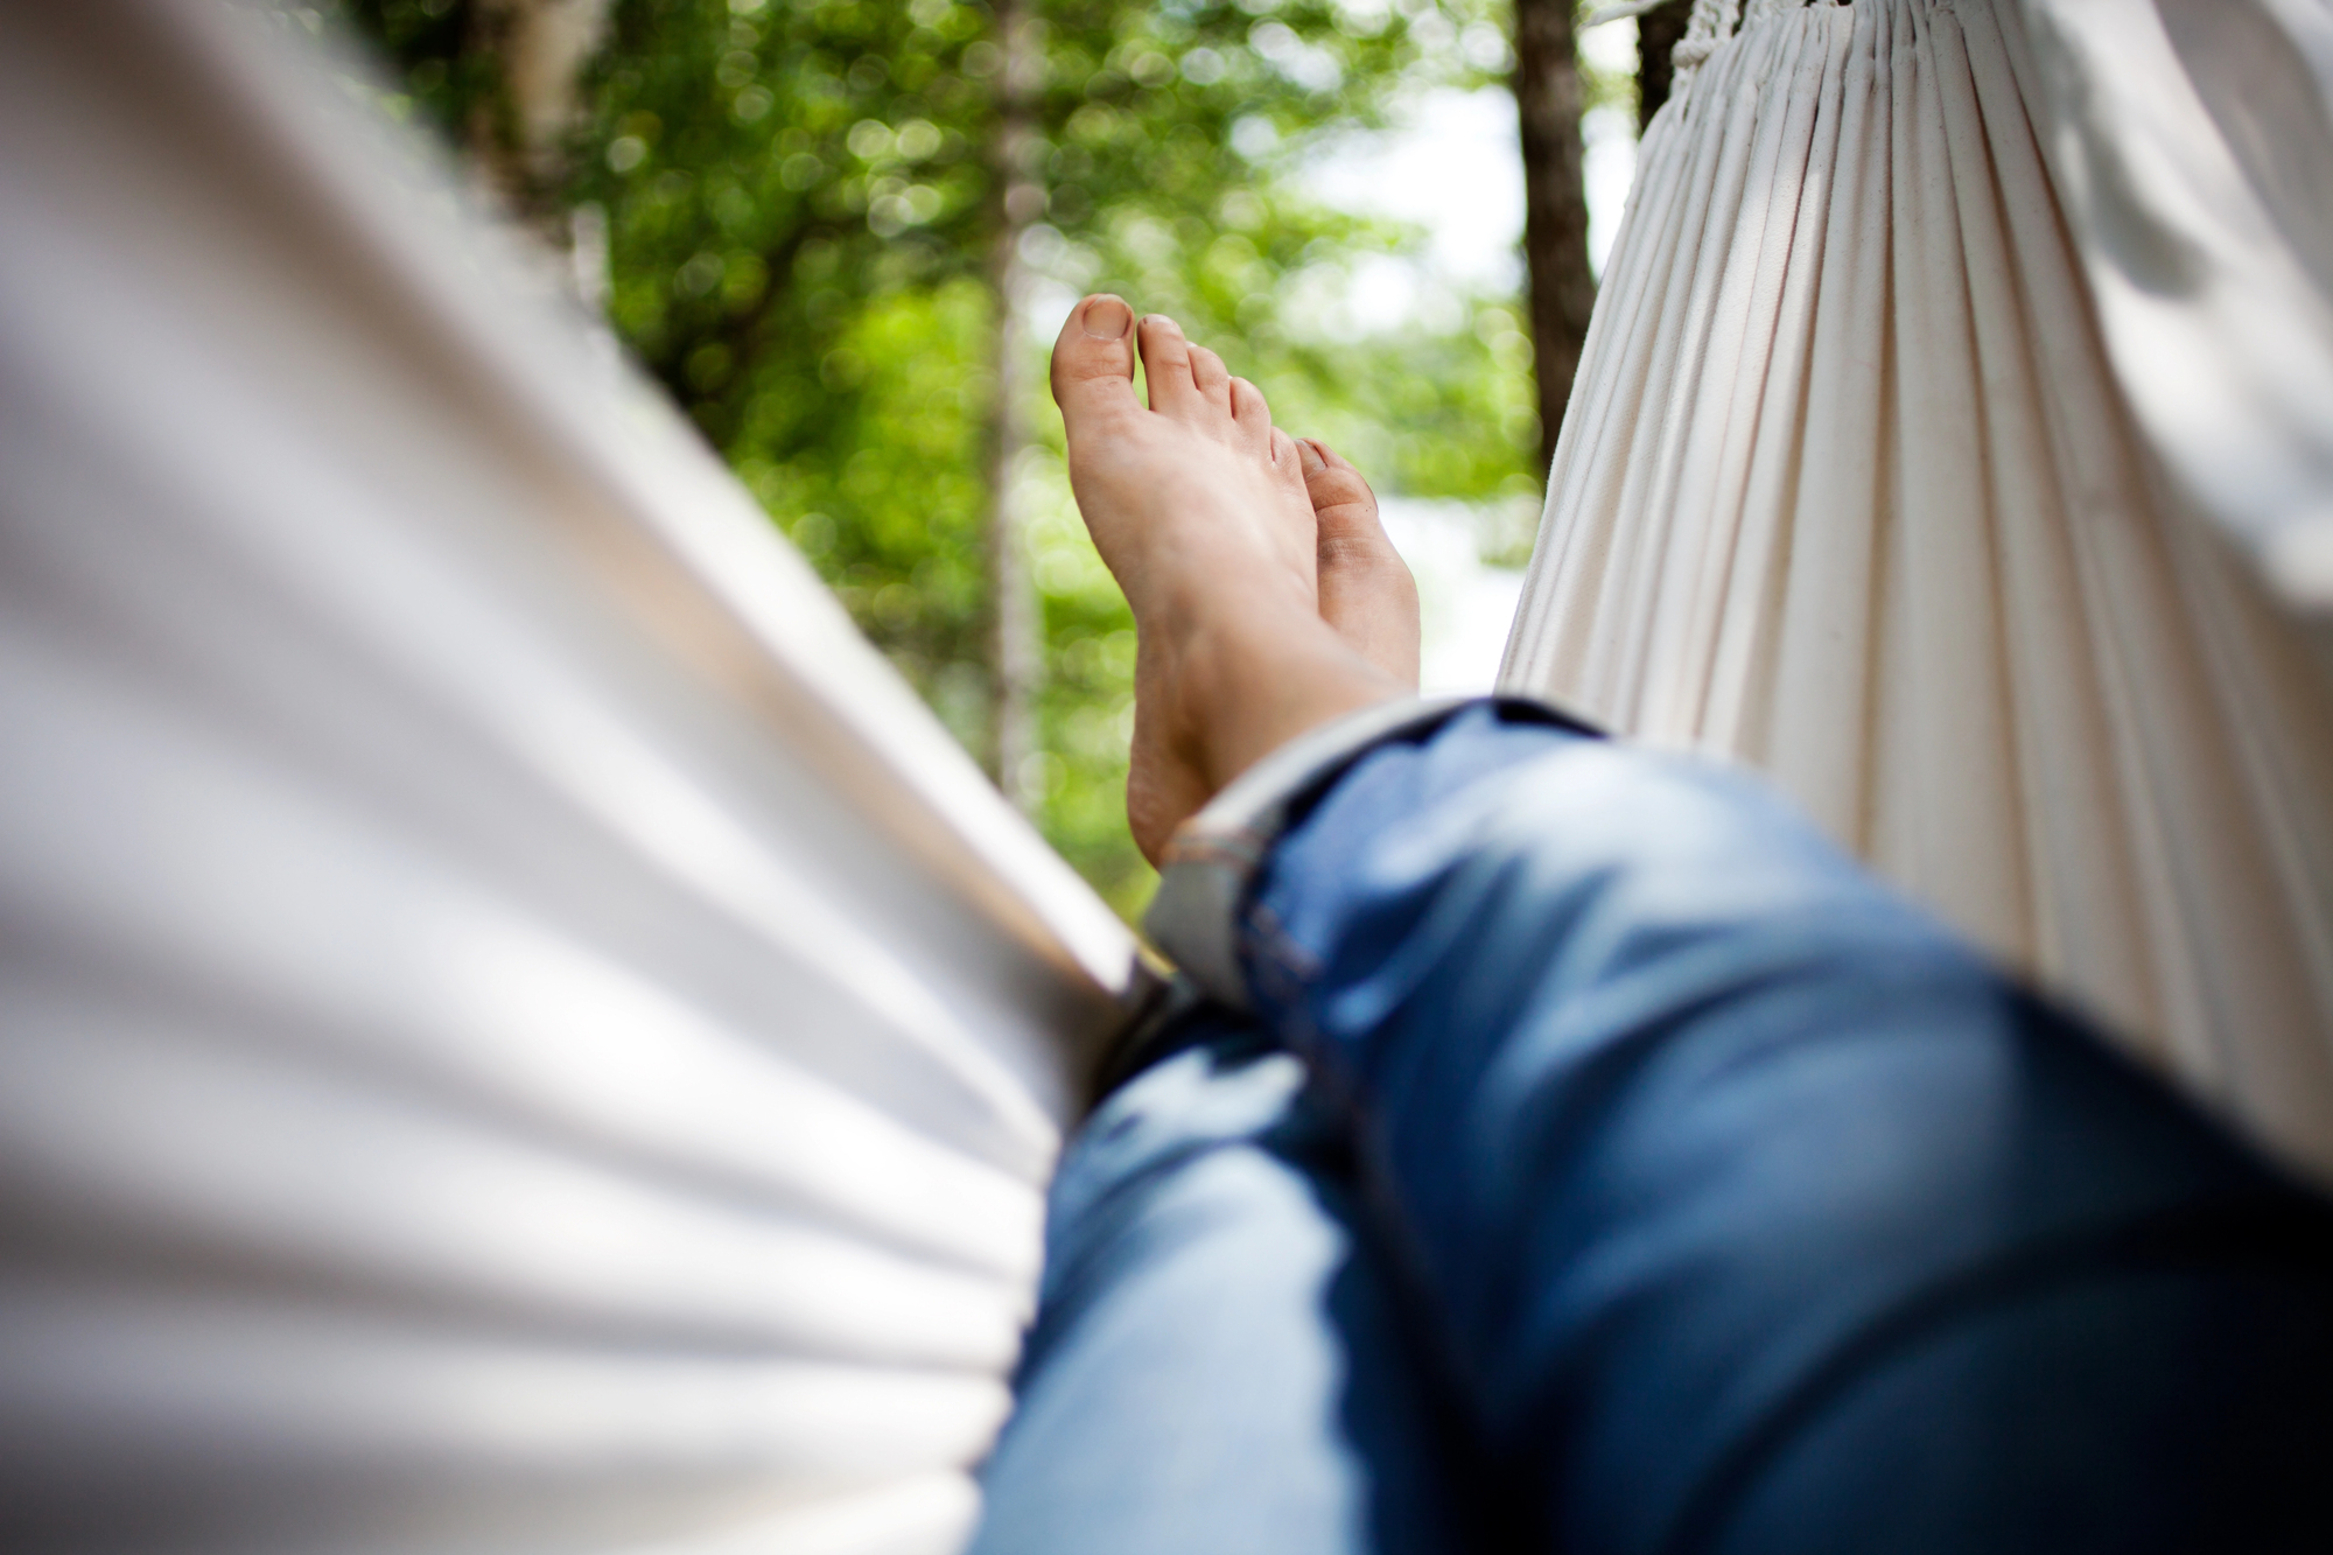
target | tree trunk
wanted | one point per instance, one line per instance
(1657, 34)
(518, 132)
(1549, 101)
(1016, 646)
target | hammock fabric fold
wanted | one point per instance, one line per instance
(522, 1033)
(1850, 491)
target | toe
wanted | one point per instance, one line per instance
(1166, 366)
(1212, 377)
(1093, 363)
(1341, 500)
(1288, 466)
(1366, 591)
(1254, 418)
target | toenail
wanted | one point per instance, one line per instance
(1107, 318)
(1163, 322)
(1309, 451)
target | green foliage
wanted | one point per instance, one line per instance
(425, 42)
(801, 200)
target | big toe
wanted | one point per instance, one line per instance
(1341, 499)
(1093, 362)
(1366, 591)
(1286, 455)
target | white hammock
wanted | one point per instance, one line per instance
(1851, 490)
(521, 1032)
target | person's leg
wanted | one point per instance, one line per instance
(1762, 1215)
(1218, 1364)
(1201, 509)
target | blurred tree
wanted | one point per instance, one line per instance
(1658, 32)
(1016, 170)
(505, 77)
(519, 132)
(1550, 98)
(839, 231)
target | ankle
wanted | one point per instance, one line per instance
(1242, 686)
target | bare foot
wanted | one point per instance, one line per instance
(1199, 506)
(1365, 589)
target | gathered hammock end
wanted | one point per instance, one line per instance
(1902, 467)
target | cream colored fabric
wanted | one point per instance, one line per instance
(521, 1033)
(1849, 490)
(2192, 142)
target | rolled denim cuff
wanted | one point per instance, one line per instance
(1213, 857)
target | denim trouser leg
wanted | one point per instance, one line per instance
(1217, 1366)
(1743, 1209)
(1759, 1214)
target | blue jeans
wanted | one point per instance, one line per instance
(1609, 1165)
